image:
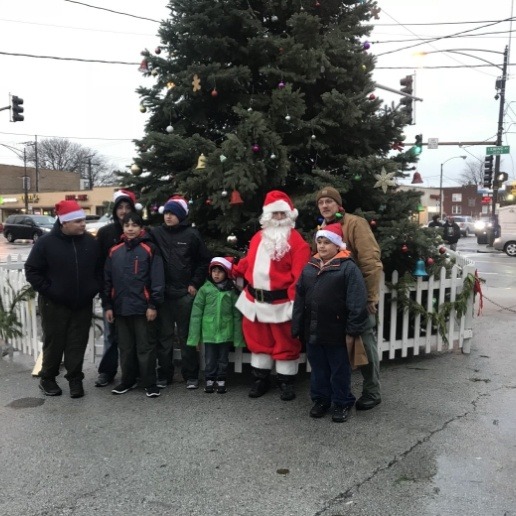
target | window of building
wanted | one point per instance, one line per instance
(471, 202)
(456, 209)
(456, 197)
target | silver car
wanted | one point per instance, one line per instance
(506, 243)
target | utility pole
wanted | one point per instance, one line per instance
(25, 181)
(36, 161)
(90, 173)
(499, 135)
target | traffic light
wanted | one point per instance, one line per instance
(16, 109)
(488, 172)
(500, 179)
(417, 148)
(407, 102)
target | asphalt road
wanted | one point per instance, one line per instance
(443, 442)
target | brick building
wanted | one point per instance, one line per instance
(11, 180)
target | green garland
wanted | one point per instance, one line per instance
(440, 316)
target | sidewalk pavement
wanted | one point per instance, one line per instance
(443, 442)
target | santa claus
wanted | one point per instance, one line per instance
(276, 257)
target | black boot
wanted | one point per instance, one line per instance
(286, 385)
(261, 383)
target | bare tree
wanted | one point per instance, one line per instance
(473, 173)
(62, 154)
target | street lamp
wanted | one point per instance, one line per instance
(441, 183)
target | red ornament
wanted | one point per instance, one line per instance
(214, 92)
(208, 202)
(373, 223)
(158, 50)
(372, 96)
(404, 248)
(442, 250)
(430, 261)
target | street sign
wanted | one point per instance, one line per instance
(433, 143)
(495, 151)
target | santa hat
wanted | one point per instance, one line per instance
(177, 205)
(277, 200)
(126, 196)
(225, 262)
(333, 232)
(69, 210)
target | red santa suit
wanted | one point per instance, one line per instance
(267, 301)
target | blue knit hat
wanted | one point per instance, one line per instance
(176, 205)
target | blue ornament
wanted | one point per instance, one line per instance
(320, 220)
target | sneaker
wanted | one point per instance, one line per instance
(152, 391)
(123, 388)
(340, 414)
(76, 388)
(319, 409)
(49, 387)
(162, 383)
(221, 387)
(103, 380)
(210, 386)
(192, 384)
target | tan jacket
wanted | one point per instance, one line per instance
(361, 242)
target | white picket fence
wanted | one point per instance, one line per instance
(398, 333)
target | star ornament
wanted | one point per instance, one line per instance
(384, 180)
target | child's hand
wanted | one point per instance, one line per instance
(151, 314)
(110, 317)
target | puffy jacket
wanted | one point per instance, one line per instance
(133, 277)
(185, 258)
(214, 318)
(65, 269)
(331, 302)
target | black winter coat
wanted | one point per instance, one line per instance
(330, 303)
(185, 258)
(133, 277)
(65, 269)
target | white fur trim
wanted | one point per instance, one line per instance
(287, 367)
(226, 263)
(72, 215)
(277, 206)
(261, 361)
(332, 237)
(264, 312)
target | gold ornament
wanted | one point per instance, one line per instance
(201, 162)
(135, 169)
(384, 180)
(171, 85)
(143, 109)
(196, 83)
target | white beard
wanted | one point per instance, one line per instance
(275, 236)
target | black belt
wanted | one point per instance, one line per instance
(267, 296)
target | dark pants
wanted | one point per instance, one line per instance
(109, 363)
(171, 314)
(330, 379)
(137, 352)
(216, 357)
(65, 333)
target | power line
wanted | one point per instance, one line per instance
(15, 54)
(111, 11)
(434, 23)
(432, 38)
(72, 137)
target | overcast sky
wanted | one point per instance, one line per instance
(96, 105)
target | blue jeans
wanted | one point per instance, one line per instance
(330, 380)
(109, 363)
(217, 360)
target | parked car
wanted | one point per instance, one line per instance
(27, 227)
(465, 223)
(93, 226)
(506, 243)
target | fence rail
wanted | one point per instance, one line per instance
(398, 331)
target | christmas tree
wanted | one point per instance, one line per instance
(255, 95)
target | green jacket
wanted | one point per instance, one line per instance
(214, 318)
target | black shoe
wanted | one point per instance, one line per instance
(123, 388)
(209, 387)
(221, 387)
(260, 387)
(287, 392)
(364, 403)
(320, 408)
(76, 388)
(152, 391)
(340, 414)
(49, 387)
(163, 382)
(103, 380)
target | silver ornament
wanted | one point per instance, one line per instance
(232, 239)
(288, 118)
(170, 129)
(224, 193)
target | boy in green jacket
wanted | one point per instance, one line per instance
(216, 323)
